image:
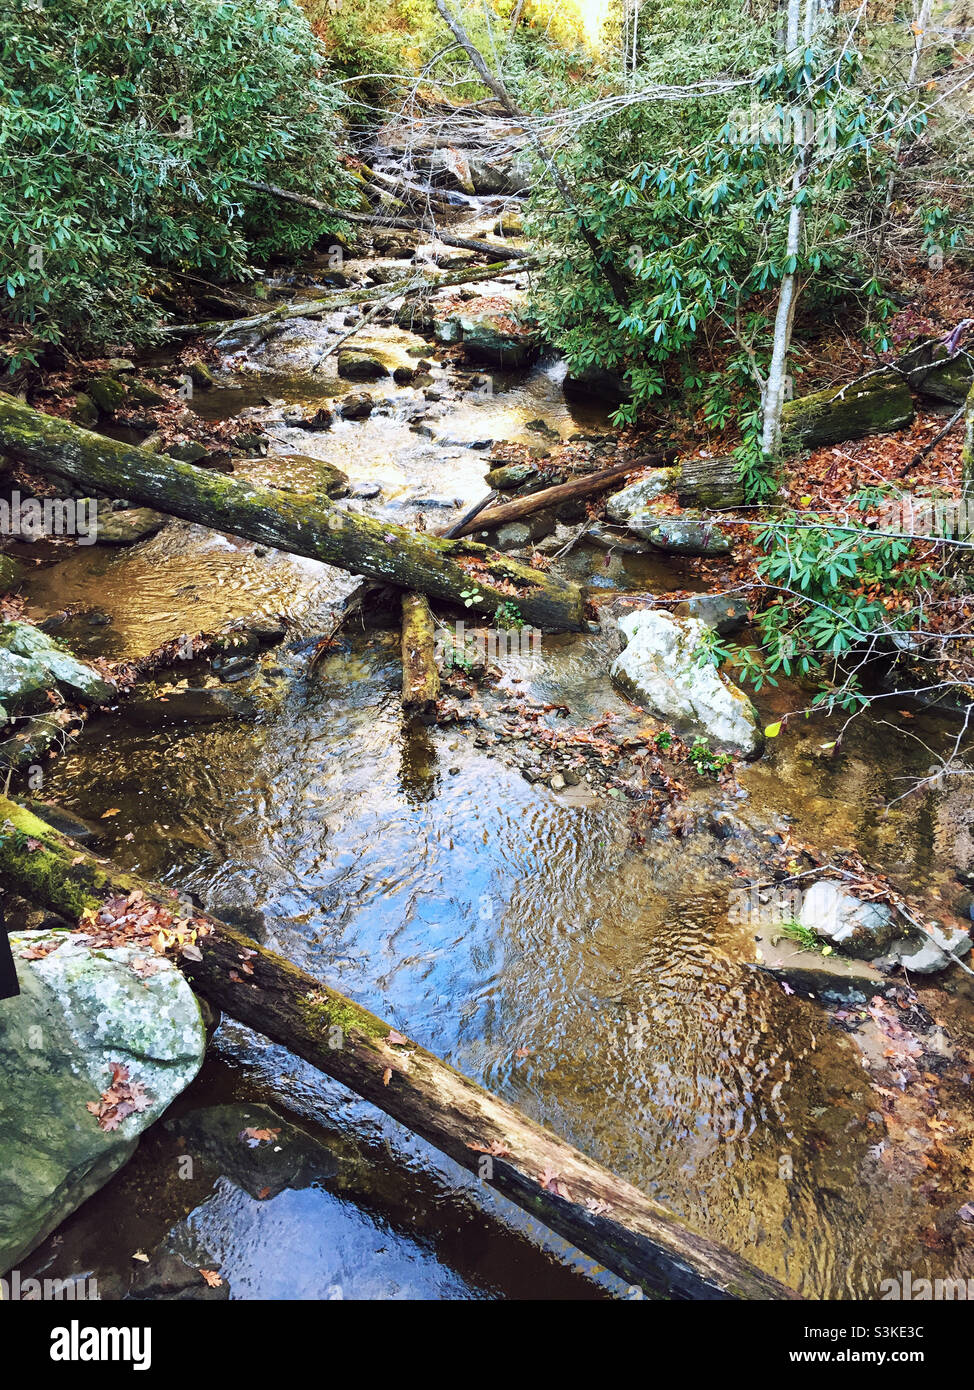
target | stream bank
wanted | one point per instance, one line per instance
(574, 958)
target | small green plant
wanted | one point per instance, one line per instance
(705, 761)
(508, 615)
(456, 658)
(663, 739)
(470, 596)
(806, 938)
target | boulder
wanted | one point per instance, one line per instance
(32, 661)
(659, 668)
(358, 406)
(129, 525)
(489, 176)
(725, 613)
(449, 169)
(622, 505)
(681, 535)
(356, 364)
(510, 224)
(107, 393)
(872, 931)
(81, 1012)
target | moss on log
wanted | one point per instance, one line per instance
(456, 570)
(420, 674)
(871, 406)
(611, 1220)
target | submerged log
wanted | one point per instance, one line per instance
(601, 1214)
(420, 675)
(585, 486)
(460, 571)
(876, 403)
(711, 483)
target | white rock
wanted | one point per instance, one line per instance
(622, 505)
(659, 669)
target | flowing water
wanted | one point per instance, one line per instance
(600, 985)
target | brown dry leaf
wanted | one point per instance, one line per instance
(387, 1076)
(396, 1039)
(263, 1194)
(212, 1278)
(112, 811)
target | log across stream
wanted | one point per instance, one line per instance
(603, 1215)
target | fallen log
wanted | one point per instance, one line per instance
(344, 299)
(871, 405)
(585, 486)
(420, 675)
(601, 1214)
(713, 483)
(377, 219)
(460, 571)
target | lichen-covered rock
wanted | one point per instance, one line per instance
(659, 668)
(129, 525)
(725, 613)
(80, 1011)
(50, 664)
(356, 364)
(871, 406)
(622, 505)
(681, 535)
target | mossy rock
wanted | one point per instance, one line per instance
(11, 573)
(107, 393)
(359, 365)
(145, 395)
(84, 411)
(872, 406)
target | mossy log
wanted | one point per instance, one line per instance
(872, 405)
(712, 483)
(343, 299)
(932, 371)
(420, 674)
(585, 486)
(598, 1212)
(459, 571)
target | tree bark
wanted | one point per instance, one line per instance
(714, 483)
(584, 486)
(608, 1218)
(459, 571)
(420, 675)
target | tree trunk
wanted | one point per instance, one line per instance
(713, 483)
(608, 1218)
(460, 571)
(584, 486)
(420, 676)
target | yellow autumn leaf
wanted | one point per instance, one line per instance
(772, 730)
